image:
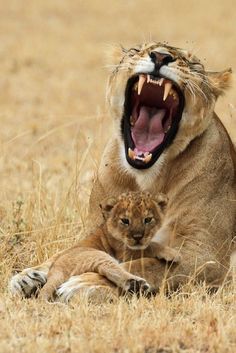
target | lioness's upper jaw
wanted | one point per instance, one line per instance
(152, 111)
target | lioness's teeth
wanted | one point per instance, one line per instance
(161, 81)
(167, 89)
(147, 158)
(131, 119)
(148, 78)
(167, 129)
(141, 81)
(131, 154)
(136, 86)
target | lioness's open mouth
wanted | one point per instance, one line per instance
(152, 112)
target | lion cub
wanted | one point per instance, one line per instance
(130, 222)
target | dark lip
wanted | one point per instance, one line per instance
(126, 130)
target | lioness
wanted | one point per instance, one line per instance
(167, 139)
(130, 223)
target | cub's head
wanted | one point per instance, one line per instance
(161, 98)
(134, 217)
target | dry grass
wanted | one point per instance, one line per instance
(53, 128)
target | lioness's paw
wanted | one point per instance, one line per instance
(137, 285)
(170, 255)
(27, 282)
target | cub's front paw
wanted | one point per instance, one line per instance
(137, 285)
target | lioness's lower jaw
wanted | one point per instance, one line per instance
(152, 112)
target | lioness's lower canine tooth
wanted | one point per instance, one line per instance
(148, 158)
(141, 81)
(167, 89)
(131, 153)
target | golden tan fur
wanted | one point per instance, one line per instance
(131, 221)
(197, 172)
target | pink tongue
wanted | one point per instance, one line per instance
(148, 132)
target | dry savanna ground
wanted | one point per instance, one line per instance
(53, 129)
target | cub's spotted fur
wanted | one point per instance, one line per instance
(131, 221)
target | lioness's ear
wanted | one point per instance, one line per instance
(107, 205)
(162, 201)
(114, 54)
(220, 81)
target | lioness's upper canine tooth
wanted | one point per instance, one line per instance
(148, 78)
(148, 158)
(167, 89)
(141, 81)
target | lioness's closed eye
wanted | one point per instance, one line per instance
(130, 222)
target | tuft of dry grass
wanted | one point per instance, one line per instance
(53, 130)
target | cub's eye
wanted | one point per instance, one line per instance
(125, 221)
(148, 220)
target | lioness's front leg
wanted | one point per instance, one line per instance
(162, 252)
(30, 280)
(198, 267)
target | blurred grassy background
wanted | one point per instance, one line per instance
(52, 87)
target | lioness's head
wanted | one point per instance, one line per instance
(162, 98)
(134, 217)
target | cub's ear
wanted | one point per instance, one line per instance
(162, 201)
(107, 205)
(114, 54)
(220, 81)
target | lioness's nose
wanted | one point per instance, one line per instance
(161, 59)
(137, 236)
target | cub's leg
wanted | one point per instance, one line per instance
(89, 260)
(55, 278)
(105, 265)
(95, 284)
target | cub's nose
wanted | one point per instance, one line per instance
(160, 59)
(137, 236)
